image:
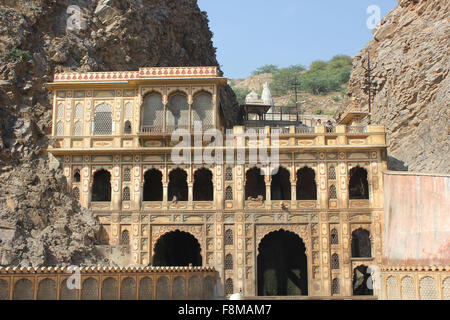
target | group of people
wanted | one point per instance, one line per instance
(329, 125)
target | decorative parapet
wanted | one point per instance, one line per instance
(143, 73)
(107, 283)
(415, 282)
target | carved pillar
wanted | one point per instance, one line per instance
(322, 183)
(165, 101)
(116, 200)
(86, 183)
(219, 253)
(325, 253)
(191, 194)
(137, 188)
(239, 283)
(294, 192)
(165, 194)
(342, 178)
(218, 187)
(347, 283)
(268, 180)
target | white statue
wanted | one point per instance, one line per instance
(267, 95)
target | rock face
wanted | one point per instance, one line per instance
(39, 222)
(410, 52)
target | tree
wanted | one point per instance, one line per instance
(241, 93)
(268, 68)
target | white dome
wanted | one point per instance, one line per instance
(252, 97)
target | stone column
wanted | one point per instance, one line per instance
(116, 200)
(268, 180)
(165, 194)
(191, 195)
(218, 187)
(325, 253)
(137, 189)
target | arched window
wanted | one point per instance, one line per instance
(125, 238)
(76, 193)
(333, 192)
(334, 236)
(128, 110)
(229, 240)
(361, 246)
(336, 286)
(228, 262)
(229, 193)
(153, 188)
(203, 185)
(126, 194)
(203, 109)
(103, 120)
(358, 186)
(101, 188)
(60, 129)
(78, 129)
(255, 185)
(229, 174)
(335, 261)
(127, 127)
(153, 110)
(281, 185)
(178, 185)
(77, 176)
(60, 111)
(306, 184)
(178, 111)
(79, 111)
(127, 175)
(229, 287)
(332, 173)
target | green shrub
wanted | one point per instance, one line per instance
(18, 55)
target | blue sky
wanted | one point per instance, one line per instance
(251, 33)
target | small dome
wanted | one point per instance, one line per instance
(252, 97)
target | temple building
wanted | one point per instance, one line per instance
(312, 229)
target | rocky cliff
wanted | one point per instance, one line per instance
(410, 52)
(40, 224)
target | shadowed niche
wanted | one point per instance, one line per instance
(177, 249)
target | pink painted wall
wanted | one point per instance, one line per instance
(417, 219)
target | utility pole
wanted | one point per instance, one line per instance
(296, 87)
(369, 86)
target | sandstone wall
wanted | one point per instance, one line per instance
(410, 52)
(417, 220)
(37, 39)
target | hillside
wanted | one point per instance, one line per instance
(312, 104)
(410, 52)
(41, 224)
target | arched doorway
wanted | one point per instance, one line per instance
(282, 265)
(281, 185)
(177, 249)
(101, 188)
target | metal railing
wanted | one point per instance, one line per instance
(356, 129)
(304, 130)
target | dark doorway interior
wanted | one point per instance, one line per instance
(203, 185)
(153, 188)
(281, 185)
(361, 246)
(306, 184)
(358, 186)
(101, 189)
(282, 265)
(255, 185)
(178, 185)
(361, 277)
(177, 249)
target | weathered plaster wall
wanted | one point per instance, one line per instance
(417, 219)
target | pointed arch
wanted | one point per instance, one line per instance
(153, 110)
(178, 186)
(281, 185)
(306, 184)
(103, 120)
(153, 187)
(358, 187)
(255, 184)
(101, 188)
(203, 109)
(203, 185)
(178, 111)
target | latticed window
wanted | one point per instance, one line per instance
(60, 111)
(334, 236)
(392, 289)
(128, 110)
(178, 110)
(202, 108)
(408, 289)
(333, 192)
(127, 127)
(103, 119)
(229, 174)
(78, 129)
(336, 286)
(428, 289)
(229, 237)
(229, 193)
(446, 289)
(228, 262)
(59, 129)
(125, 238)
(229, 286)
(335, 261)
(127, 175)
(153, 110)
(332, 173)
(126, 194)
(76, 193)
(79, 111)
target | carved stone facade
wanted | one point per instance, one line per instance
(231, 227)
